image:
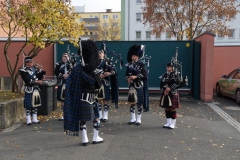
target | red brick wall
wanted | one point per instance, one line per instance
(44, 58)
(226, 59)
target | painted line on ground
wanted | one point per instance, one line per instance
(224, 115)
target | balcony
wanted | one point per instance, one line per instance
(91, 20)
(91, 28)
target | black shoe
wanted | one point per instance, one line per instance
(37, 122)
(60, 119)
(101, 120)
(85, 144)
(138, 123)
(116, 107)
(104, 120)
(146, 110)
(95, 142)
(29, 124)
(131, 122)
(165, 127)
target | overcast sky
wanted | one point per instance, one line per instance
(98, 5)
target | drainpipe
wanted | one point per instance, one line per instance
(128, 18)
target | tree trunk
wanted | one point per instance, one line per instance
(15, 84)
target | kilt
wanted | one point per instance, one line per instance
(86, 112)
(59, 91)
(174, 99)
(107, 92)
(28, 101)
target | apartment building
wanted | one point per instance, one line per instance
(96, 22)
(132, 27)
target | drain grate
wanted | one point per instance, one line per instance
(224, 115)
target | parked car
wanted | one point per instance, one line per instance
(229, 85)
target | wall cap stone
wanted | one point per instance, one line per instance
(206, 32)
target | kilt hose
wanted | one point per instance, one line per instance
(174, 99)
(86, 111)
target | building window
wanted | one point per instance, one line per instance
(138, 16)
(138, 34)
(105, 24)
(105, 33)
(220, 34)
(81, 19)
(168, 35)
(96, 16)
(148, 35)
(105, 16)
(158, 35)
(90, 16)
(96, 25)
(86, 33)
(139, 1)
(231, 33)
(115, 16)
(115, 24)
(90, 24)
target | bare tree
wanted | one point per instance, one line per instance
(189, 17)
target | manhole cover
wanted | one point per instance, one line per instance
(234, 108)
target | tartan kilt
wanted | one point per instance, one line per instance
(28, 100)
(174, 99)
(107, 92)
(86, 112)
(59, 90)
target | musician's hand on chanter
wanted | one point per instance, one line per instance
(102, 75)
(107, 74)
(129, 80)
(65, 76)
(39, 81)
(133, 77)
(167, 90)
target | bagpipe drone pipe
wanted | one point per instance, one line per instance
(177, 66)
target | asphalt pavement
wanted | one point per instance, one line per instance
(200, 134)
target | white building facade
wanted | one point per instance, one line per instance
(133, 28)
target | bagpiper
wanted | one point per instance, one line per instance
(62, 71)
(109, 79)
(169, 99)
(81, 84)
(135, 74)
(32, 76)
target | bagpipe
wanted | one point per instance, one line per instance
(145, 59)
(111, 61)
(177, 69)
(72, 58)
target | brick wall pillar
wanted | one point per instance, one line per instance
(206, 65)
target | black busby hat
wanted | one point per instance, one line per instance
(134, 50)
(27, 59)
(89, 54)
(170, 64)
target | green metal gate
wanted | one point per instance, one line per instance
(161, 53)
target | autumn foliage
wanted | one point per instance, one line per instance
(41, 23)
(189, 17)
